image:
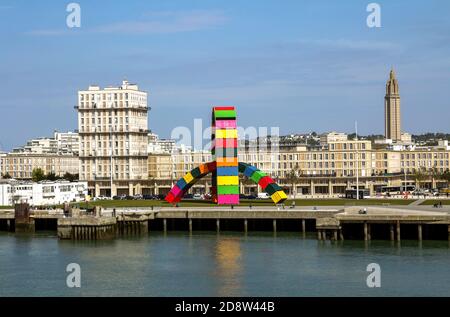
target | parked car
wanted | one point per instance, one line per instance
(435, 192)
(207, 196)
(419, 192)
(242, 196)
(102, 198)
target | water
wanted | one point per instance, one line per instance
(229, 264)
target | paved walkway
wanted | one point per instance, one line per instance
(417, 202)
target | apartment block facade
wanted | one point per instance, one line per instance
(21, 165)
(112, 126)
(328, 169)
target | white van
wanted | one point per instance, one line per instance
(263, 196)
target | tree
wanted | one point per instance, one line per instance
(420, 175)
(436, 175)
(37, 175)
(151, 180)
(293, 177)
(71, 177)
(446, 177)
(51, 176)
(6, 176)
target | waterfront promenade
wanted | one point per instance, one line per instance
(329, 222)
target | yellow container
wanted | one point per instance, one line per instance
(278, 197)
(188, 178)
(227, 180)
(226, 133)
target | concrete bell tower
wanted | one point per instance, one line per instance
(392, 121)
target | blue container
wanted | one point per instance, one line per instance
(181, 184)
(227, 171)
(249, 170)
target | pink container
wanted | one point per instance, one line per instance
(224, 124)
(175, 190)
(228, 199)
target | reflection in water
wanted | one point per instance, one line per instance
(229, 266)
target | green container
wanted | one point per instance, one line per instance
(225, 114)
(272, 189)
(228, 189)
(257, 175)
(242, 167)
(196, 172)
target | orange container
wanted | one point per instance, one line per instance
(227, 161)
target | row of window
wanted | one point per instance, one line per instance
(425, 156)
(112, 96)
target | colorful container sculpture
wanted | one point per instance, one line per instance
(225, 167)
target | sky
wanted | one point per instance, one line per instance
(298, 65)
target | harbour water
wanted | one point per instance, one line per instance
(225, 264)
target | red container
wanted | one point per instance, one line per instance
(264, 181)
(170, 198)
(224, 108)
(211, 166)
(228, 143)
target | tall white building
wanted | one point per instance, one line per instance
(113, 130)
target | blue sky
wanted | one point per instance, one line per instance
(300, 65)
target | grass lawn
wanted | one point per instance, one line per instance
(202, 203)
(431, 202)
(245, 202)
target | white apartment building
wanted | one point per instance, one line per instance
(42, 193)
(61, 143)
(326, 138)
(157, 145)
(113, 130)
(5, 194)
(39, 146)
(67, 142)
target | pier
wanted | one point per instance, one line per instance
(328, 223)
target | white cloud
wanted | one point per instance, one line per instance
(48, 32)
(156, 22)
(167, 22)
(353, 44)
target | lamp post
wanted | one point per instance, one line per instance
(111, 149)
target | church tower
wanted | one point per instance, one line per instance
(392, 122)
